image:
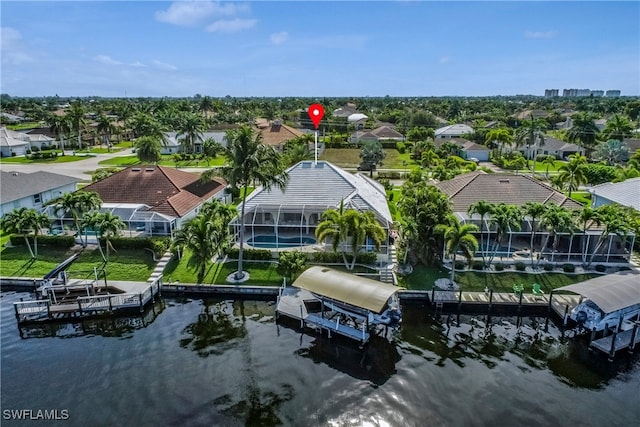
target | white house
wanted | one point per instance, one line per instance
(14, 143)
(452, 131)
(32, 190)
(174, 145)
(625, 193)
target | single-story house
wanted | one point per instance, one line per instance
(32, 190)
(174, 145)
(11, 118)
(155, 200)
(468, 149)
(278, 218)
(452, 131)
(358, 120)
(380, 134)
(467, 189)
(554, 147)
(14, 143)
(275, 133)
(346, 110)
(625, 193)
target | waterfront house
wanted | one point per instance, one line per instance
(625, 193)
(467, 189)
(32, 190)
(289, 217)
(154, 200)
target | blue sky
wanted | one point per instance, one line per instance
(295, 48)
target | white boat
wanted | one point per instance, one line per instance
(588, 315)
(609, 301)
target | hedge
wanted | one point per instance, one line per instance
(499, 267)
(54, 241)
(569, 268)
(477, 265)
(253, 254)
(159, 245)
(333, 257)
(520, 266)
(601, 268)
(548, 267)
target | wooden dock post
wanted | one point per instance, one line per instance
(632, 343)
(15, 307)
(139, 299)
(80, 307)
(490, 300)
(459, 300)
(565, 318)
(593, 336)
(433, 296)
(520, 302)
(612, 351)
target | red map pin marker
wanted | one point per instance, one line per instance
(316, 113)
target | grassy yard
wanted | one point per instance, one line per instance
(59, 159)
(125, 264)
(165, 161)
(23, 126)
(423, 277)
(350, 158)
(583, 197)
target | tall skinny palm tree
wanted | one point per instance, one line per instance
(196, 235)
(531, 134)
(77, 120)
(107, 226)
(556, 219)
(614, 221)
(25, 221)
(584, 132)
(506, 218)
(459, 237)
(585, 219)
(482, 208)
(572, 174)
(533, 210)
(249, 161)
(78, 203)
(192, 127)
(61, 127)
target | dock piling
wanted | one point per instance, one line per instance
(612, 351)
(632, 343)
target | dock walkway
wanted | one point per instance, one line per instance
(611, 344)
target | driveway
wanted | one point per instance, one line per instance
(82, 169)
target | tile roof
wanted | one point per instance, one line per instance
(325, 185)
(554, 144)
(626, 193)
(277, 134)
(166, 190)
(16, 185)
(387, 132)
(469, 188)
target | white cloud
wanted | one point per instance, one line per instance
(193, 12)
(231, 25)
(106, 59)
(444, 59)
(137, 64)
(279, 38)
(12, 48)
(540, 34)
(164, 65)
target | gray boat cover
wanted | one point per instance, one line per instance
(611, 292)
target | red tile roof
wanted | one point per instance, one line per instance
(165, 190)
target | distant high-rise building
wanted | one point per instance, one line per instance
(549, 93)
(612, 93)
(597, 93)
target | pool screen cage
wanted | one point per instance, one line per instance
(139, 220)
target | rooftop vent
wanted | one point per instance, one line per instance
(149, 169)
(135, 169)
(306, 165)
(504, 180)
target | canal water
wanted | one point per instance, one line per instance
(194, 362)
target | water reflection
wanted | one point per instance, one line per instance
(106, 326)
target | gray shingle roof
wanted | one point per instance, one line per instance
(453, 130)
(626, 193)
(17, 185)
(325, 185)
(469, 188)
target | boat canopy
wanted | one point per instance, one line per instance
(611, 292)
(348, 288)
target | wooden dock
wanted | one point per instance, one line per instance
(129, 295)
(611, 344)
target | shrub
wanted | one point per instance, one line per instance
(35, 148)
(569, 268)
(389, 175)
(459, 265)
(499, 267)
(386, 183)
(548, 267)
(64, 242)
(520, 266)
(401, 147)
(326, 257)
(250, 254)
(477, 265)
(601, 268)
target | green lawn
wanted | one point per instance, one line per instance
(393, 197)
(583, 197)
(350, 158)
(23, 126)
(423, 277)
(59, 159)
(125, 264)
(166, 161)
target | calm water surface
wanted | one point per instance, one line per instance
(192, 362)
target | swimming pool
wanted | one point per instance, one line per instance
(269, 241)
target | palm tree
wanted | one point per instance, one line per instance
(192, 128)
(583, 132)
(618, 127)
(76, 118)
(25, 221)
(534, 210)
(585, 219)
(482, 208)
(499, 137)
(107, 225)
(196, 235)
(531, 134)
(615, 221)
(78, 203)
(105, 130)
(572, 174)
(371, 155)
(148, 149)
(364, 227)
(249, 161)
(459, 237)
(298, 152)
(549, 161)
(60, 126)
(556, 219)
(506, 218)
